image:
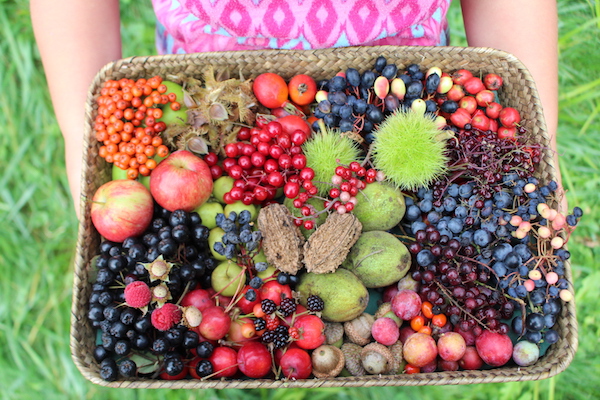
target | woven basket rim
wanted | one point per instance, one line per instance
(122, 67)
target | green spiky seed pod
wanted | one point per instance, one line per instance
(409, 149)
(325, 151)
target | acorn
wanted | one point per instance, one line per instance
(377, 359)
(352, 358)
(334, 333)
(358, 330)
(327, 361)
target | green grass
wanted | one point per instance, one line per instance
(38, 228)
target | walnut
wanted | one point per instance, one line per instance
(282, 239)
(329, 245)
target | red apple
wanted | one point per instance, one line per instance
(182, 181)
(296, 364)
(121, 208)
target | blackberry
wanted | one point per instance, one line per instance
(268, 306)
(127, 368)
(287, 306)
(281, 336)
(108, 370)
(204, 368)
(315, 303)
(268, 337)
(260, 324)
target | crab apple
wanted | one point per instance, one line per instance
(468, 103)
(245, 305)
(224, 361)
(121, 209)
(312, 331)
(215, 323)
(295, 364)
(455, 93)
(451, 346)
(484, 98)
(406, 304)
(419, 350)
(275, 291)
(385, 331)
(471, 359)
(254, 359)
(507, 133)
(473, 85)
(481, 122)
(492, 110)
(509, 117)
(495, 349)
(461, 76)
(492, 81)
(199, 298)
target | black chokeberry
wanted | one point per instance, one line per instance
(127, 368)
(109, 370)
(205, 349)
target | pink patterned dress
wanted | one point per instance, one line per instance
(190, 26)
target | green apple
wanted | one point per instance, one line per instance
(221, 186)
(238, 207)
(208, 213)
(118, 173)
(216, 235)
(227, 278)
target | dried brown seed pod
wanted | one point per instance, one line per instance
(329, 245)
(282, 239)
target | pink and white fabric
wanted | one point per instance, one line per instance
(189, 26)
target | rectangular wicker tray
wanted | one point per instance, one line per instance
(519, 91)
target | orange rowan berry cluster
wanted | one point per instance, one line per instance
(128, 123)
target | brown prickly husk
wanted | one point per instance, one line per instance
(329, 245)
(282, 239)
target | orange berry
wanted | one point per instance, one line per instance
(109, 158)
(150, 163)
(101, 136)
(146, 139)
(145, 171)
(426, 309)
(162, 151)
(175, 106)
(156, 141)
(426, 330)
(418, 322)
(112, 148)
(162, 88)
(128, 129)
(157, 113)
(148, 102)
(141, 158)
(137, 101)
(115, 138)
(102, 152)
(132, 173)
(172, 97)
(439, 320)
(133, 163)
(149, 151)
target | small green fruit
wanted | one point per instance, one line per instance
(227, 278)
(378, 259)
(379, 207)
(208, 213)
(344, 295)
(221, 186)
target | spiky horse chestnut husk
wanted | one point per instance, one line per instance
(326, 150)
(409, 149)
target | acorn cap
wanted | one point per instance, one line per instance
(353, 362)
(377, 359)
(398, 364)
(358, 330)
(327, 361)
(334, 332)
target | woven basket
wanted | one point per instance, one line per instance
(519, 91)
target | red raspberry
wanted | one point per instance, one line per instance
(272, 322)
(165, 317)
(137, 294)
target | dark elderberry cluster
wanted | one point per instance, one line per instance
(180, 238)
(352, 104)
(474, 263)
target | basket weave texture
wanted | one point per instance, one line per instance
(518, 91)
